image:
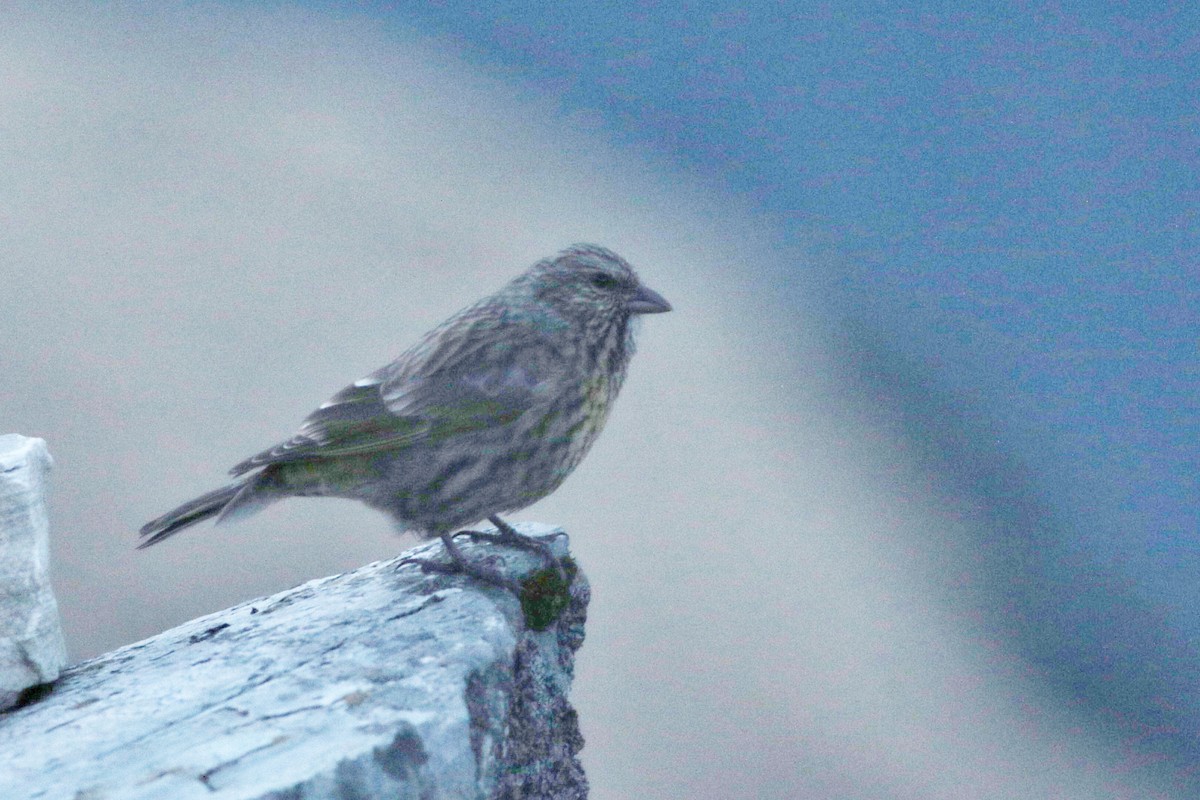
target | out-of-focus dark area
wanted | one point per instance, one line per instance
(1006, 203)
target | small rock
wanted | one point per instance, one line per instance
(32, 650)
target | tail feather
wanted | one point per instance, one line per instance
(251, 496)
(191, 512)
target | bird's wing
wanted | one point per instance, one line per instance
(446, 385)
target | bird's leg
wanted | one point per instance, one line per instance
(508, 536)
(461, 565)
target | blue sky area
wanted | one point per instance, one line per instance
(1003, 205)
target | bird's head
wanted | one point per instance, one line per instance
(592, 284)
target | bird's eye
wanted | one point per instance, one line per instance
(602, 281)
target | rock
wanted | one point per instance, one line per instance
(382, 682)
(32, 651)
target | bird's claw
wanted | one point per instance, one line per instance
(479, 570)
(427, 565)
(543, 594)
(508, 536)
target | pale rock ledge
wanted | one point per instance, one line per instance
(381, 682)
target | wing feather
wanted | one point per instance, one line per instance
(477, 370)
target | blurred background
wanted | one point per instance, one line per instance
(900, 502)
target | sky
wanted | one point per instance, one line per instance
(900, 501)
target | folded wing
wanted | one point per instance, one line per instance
(444, 387)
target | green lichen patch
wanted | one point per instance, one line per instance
(544, 595)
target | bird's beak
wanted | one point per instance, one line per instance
(647, 301)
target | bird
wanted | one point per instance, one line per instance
(486, 414)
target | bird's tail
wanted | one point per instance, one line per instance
(238, 499)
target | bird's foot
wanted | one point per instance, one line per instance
(507, 536)
(461, 565)
(543, 594)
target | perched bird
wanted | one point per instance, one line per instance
(487, 413)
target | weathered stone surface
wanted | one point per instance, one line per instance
(32, 651)
(382, 682)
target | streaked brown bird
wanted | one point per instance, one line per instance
(486, 414)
